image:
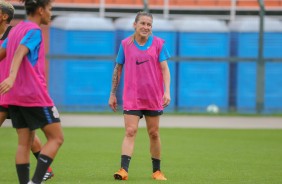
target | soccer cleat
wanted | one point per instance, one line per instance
(48, 175)
(158, 175)
(121, 175)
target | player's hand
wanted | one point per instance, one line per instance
(113, 102)
(166, 99)
(6, 85)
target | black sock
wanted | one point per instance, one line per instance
(23, 173)
(156, 164)
(43, 162)
(125, 160)
(36, 154)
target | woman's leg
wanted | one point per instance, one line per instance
(155, 145)
(55, 139)
(3, 117)
(25, 138)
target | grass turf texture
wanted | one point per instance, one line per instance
(196, 156)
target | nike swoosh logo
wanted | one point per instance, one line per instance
(43, 160)
(141, 62)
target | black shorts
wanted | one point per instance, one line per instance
(33, 117)
(140, 113)
(5, 109)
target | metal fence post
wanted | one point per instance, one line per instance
(261, 63)
(146, 6)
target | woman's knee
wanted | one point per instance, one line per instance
(59, 139)
(131, 132)
(54, 133)
(154, 134)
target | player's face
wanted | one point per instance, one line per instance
(143, 27)
(46, 14)
(3, 17)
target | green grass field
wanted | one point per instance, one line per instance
(190, 156)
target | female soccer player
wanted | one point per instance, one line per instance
(7, 13)
(146, 90)
(25, 92)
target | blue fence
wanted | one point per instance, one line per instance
(244, 41)
(78, 84)
(202, 83)
(84, 84)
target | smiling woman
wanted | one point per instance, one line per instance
(146, 90)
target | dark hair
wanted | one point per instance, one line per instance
(32, 5)
(142, 13)
(8, 9)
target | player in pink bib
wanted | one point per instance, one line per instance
(25, 92)
(7, 14)
(146, 90)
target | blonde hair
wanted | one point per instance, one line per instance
(139, 14)
(8, 9)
